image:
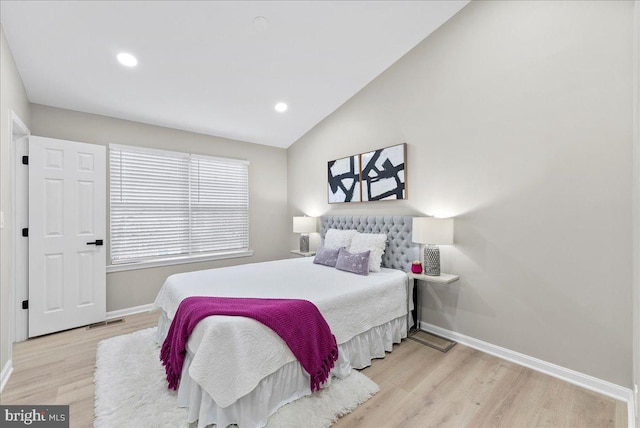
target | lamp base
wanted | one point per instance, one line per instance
(304, 243)
(431, 260)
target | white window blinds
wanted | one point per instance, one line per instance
(168, 204)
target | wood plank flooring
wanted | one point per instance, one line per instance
(419, 386)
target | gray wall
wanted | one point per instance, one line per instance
(12, 98)
(269, 228)
(518, 121)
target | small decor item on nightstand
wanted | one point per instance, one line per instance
(416, 267)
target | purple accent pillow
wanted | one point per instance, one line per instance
(355, 263)
(326, 256)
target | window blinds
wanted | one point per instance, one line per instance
(169, 204)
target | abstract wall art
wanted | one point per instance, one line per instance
(383, 174)
(344, 180)
(372, 176)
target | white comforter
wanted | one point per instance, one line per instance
(232, 354)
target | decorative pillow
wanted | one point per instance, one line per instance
(374, 242)
(355, 263)
(337, 239)
(326, 256)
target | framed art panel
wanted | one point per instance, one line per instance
(344, 180)
(384, 173)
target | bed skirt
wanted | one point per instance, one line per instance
(287, 384)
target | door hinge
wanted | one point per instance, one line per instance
(25, 160)
(25, 232)
(25, 304)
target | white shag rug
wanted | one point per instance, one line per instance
(131, 390)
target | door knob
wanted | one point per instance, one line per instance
(97, 242)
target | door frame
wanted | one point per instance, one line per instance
(635, 287)
(18, 329)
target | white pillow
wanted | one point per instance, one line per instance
(374, 242)
(337, 239)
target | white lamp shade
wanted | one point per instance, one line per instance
(431, 230)
(304, 224)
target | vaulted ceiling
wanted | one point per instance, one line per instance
(216, 67)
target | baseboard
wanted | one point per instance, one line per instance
(129, 311)
(580, 379)
(5, 374)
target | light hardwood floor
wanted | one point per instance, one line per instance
(419, 386)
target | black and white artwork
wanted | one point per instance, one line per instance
(383, 174)
(344, 180)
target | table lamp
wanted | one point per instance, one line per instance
(304, 226)
(431, 232)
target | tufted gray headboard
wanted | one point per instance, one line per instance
(400, 251)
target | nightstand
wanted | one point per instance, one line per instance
(300, 253)
(443, 278)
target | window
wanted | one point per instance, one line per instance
(167, 205)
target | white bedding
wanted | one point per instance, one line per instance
(244, 350)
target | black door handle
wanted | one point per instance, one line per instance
(97, 242)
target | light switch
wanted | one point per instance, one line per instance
(1, 219)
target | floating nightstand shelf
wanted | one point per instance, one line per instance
(443, 278)
(303, 254)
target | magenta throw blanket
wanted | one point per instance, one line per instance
(298, 322)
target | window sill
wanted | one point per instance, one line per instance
(177, 261)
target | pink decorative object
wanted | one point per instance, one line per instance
(416, 268)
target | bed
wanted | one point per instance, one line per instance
(237, 371)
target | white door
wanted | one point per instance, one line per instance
(67, 215)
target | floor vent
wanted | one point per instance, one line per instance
(105, 323)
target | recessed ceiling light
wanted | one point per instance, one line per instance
(127, 59)
(281, 107)
(260, 24)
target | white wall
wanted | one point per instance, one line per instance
(269, 224)
(12, 98)
(518, 121)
